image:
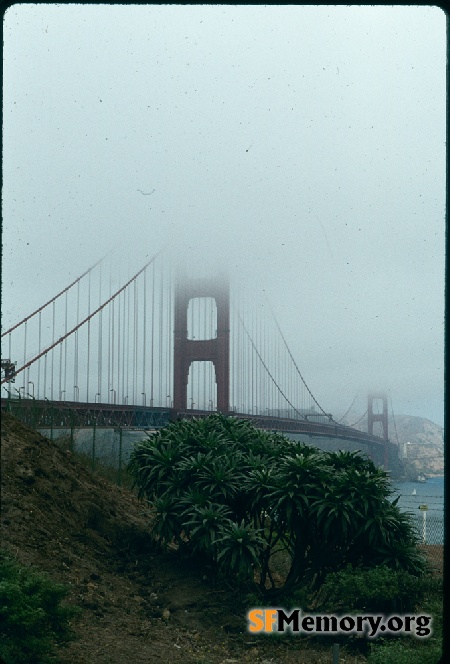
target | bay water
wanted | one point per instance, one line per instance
(413, 496)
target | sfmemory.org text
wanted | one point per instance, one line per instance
(370, 625)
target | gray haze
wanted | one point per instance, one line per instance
(302, 146)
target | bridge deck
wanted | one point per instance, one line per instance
(44, 413)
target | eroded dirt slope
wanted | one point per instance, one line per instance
(139, 604)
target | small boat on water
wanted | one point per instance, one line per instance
(414, 493)
(421, 479)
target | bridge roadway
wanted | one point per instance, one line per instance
(45, 414)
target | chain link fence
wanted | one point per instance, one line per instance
(424, 504)
(430, 531)
(105, 451)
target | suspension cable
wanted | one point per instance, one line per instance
(358, 421)
(349, 408)
(293, 360)
(99, 309)
(54, 298)
(267, 369)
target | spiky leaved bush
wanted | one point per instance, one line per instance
(237, 494)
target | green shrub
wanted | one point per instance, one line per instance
(378, 590)
(32, 617)
(240, 496)
(410, 650)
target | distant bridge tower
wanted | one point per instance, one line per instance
(377, 417)
(215, 350)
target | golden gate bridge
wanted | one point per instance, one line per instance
(161, 344)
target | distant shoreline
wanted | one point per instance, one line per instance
(429, 476)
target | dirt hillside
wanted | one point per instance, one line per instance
(139, 604)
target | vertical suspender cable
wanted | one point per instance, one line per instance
(88, 351)
(244, 359)
(276, 369)
(212, 396)
(232, 348)
(285, 377)
(24, 352)
(112, 305)
(199, 315)
(244, 365)
(124, 344)
(99, 362)
(136, 344)
(39, 361)
(272, 360)
(109, 385)
(65, 348)
(293, 385)
(253, 360)
(53, 352)
(75, 371)
(128, 316)
(161, 334)
(264, 390)
(237, 353)
(232, 351)
(61, 391)
(262, 379)
(144, 340)
(259, 374)
(267, 342)
(242, 368)
(281, 373)
(249, 370)
(100, 333)
(152, 348)
(211, 322)
(168, 334)
(119, 373)
(191, 368)
(45, 374)
(113, 316)
(206, 388)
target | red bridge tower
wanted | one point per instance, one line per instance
(377, 417)
(215, 350)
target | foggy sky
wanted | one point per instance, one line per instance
(302, 146)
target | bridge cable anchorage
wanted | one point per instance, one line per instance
(358, 421)
(85, 320)
(348, 410)
(53, 299)
(293, 360)
(268, 372)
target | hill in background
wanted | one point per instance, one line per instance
(425, 452)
